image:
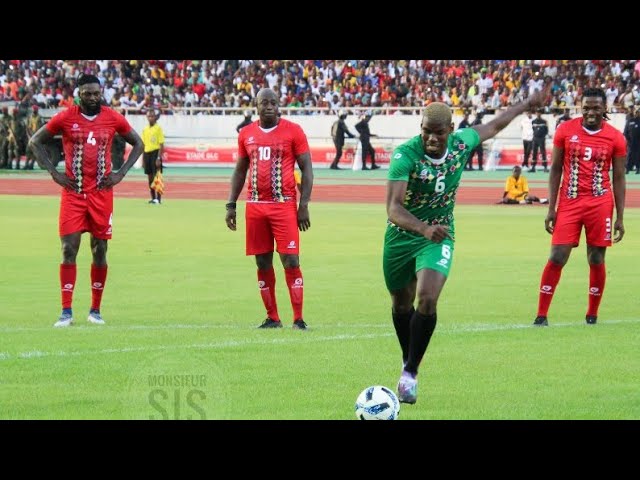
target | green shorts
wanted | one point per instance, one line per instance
(404, 254)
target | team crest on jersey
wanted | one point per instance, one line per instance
(574, 139)
(424, 174)
(461, 146)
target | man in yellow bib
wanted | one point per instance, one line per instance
(153, 138)
(516, 190)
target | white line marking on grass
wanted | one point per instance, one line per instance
(231, 343)
(311, 338)
(485, 327)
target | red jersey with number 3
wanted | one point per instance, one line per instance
(272, 158)
(86, 142)
(587, 158)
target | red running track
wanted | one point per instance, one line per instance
(219, 190)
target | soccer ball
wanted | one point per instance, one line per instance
(377, 403)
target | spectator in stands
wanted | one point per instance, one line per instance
(338, 132)
(527, 137)
(246, 121)
(516, 190)
(362, 128)
(628, 98)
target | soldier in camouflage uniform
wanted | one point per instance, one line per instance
(4, 139)
(17, 138)
(34, 122)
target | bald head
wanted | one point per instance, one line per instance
(437, 112)
(267, 103)
(266, 93)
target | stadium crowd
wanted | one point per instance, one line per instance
(318, 86)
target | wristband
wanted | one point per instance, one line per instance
(230, 205)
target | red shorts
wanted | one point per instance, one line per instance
(267, 222)
(594, 213)
(86, 212)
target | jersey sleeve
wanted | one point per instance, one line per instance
(525, 185)
(560, 135)
(619, 146)
(242, 152)
(470, 137)
(401, 166)
(300, 143)
(54, 126)
(122, 125)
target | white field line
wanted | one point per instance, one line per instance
(442, 327)
(304, 337)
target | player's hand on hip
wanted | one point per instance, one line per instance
(437, 233)
(550, 221)
(110, 181)
(230, 218)
(64, 181)
(618, 230)
(304, 222)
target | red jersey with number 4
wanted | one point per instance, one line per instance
(272, 159)
(587, 158)
(86, 142)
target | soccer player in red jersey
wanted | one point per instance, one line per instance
(86, 204)
(269, 149)
(584, 150)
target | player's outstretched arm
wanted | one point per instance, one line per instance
(492, 128)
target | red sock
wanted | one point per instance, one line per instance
(67, 283)
(267, 286)
(597, 279)
(98, 279)
(550, 278)
(295, 284)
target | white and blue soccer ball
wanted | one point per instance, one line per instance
(377, 403)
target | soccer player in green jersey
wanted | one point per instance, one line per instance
(423, 178)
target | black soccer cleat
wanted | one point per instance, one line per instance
(299, 325)
(591, 319)
(271, 323)
(541, 321)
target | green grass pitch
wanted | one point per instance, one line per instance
(182, 306)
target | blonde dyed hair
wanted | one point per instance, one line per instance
(437, 112)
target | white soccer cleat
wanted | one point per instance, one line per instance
(95, 318)
(65, 320)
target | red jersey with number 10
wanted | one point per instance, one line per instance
(272, 159)
(87, 143)
(587, 158)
